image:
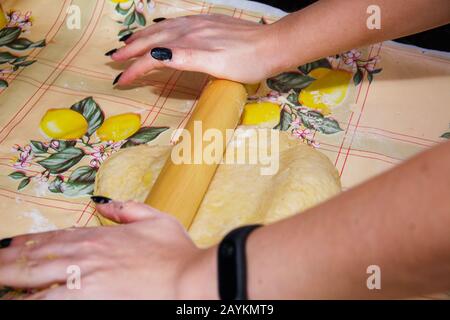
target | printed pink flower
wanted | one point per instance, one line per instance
(351, 57)
(94, 163)
(115, 146)
(16, 19)
(54, 144)
(315, 144)
(16, 147)
(24, 160)
(100, 153)
(301, 133)
(370, 65)
(140, 6)
(4, 72)
(42, 177)
(296, 123)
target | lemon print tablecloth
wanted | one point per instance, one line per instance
(386, 103)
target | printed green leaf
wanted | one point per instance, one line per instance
(8, 35)
(140, 18)
(357, 78)
(311, 119)
(293, 97)
(376, 71)
(129, 19)
(329, 126)
(285, 121)
(83, 174)
(24, 183)
(124, 32)
(17, 175)
(3, 84)
(144, 135)
(81, 182)
(369, 77)
(75, 189)
(38, 147)
(6, 57)
(288, 81)
(4, 291)
(316, 121)
(121, 10)
(56, 185)
(62, 161)
(19, 59)
(25, 63)
(446, 135)
(92, 112)
(322, 63)
(24, 44)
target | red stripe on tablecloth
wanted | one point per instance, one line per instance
(51, 74)
(359, 119)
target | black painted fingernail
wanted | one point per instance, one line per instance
(125, 37)
(101, 199)
(110, 52)
(156, 20)
(161, 53)
(117, 78)
(5, 243)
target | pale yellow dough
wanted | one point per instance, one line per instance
(238, 194)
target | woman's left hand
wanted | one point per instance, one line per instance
(150, 256)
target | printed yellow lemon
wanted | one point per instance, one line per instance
(319, 72)
(329, 90)
(119, 127)
(63, 124)
(3, 21)
(258, 113)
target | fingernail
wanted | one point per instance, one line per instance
(5, 243)
(156, 20)
(110, 52)
(117, 78)
(101, 199)
(161, 53)
(125, 37)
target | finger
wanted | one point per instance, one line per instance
(138, 69)
(32, 239)
(143, 42)
(127, 212)
(140, 46)
(151, 30)
(34, 274)
(188, 59)
(56, 292)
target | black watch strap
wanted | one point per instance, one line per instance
(232, 264)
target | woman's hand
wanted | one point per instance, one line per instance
(150, 256)
(219, 45)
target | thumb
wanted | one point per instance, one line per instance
(124, 212)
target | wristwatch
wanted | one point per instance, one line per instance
(232, 264)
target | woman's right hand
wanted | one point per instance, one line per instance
(220, 45)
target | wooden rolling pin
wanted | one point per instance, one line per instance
(180, 188)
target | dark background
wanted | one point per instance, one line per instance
(437, 39)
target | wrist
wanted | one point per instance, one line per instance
(256, 265)
(198, 280)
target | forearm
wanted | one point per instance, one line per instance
(399, 221)
(330, 27)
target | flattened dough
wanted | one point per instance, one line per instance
(238, 194)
